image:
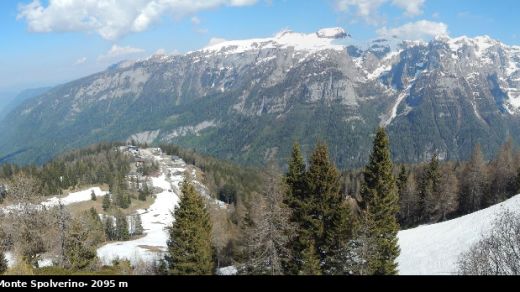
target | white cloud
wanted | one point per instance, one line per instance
(117, 52)
(420, 30)
(201, 30)
(109, 18)
(81, 61)
(215, 41)
(411, 7)
(368, 10)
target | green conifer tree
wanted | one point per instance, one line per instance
(327, 218)
(106, 202)
(402, 180)
(429, 189)
(189, 247)
(295, 200)
(110, 232)
(121, 226)
(382, 205)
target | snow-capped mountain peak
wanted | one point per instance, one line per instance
(321, 40)
(480, 43)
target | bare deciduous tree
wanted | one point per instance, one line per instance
(269, 231)
(497, 253)
(27, 222)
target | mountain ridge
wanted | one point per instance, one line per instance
(249, 100)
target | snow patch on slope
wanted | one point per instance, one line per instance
(386, 65)
(155, 219)
(481, 44)
(393, 111)
(72, 198)
(514, 99)
(158, 217)
(434, 249)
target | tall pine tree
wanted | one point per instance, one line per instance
(327, 217)
(121, 226)
(382, 205)
(429, 189)
(189, 247)
(295, 199)
(106, 202)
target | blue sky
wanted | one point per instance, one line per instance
(50, 42)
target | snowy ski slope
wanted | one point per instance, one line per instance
(434, 249)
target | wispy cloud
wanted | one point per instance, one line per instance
(117, 52)
(368, 10)
(419, 30)
(81, 61)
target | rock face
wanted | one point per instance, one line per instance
(250, 100)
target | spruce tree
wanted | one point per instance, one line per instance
(106, 202)
(327, 218)
(93, 196)
(402, 181)
(295, 178)
(189, 247)
(407, 190)
(382, 205)
(429, 189)
(121, 226)
(122, 200)
(110, 231)
(295, 199)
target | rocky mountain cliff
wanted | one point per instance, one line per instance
(249, 100)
